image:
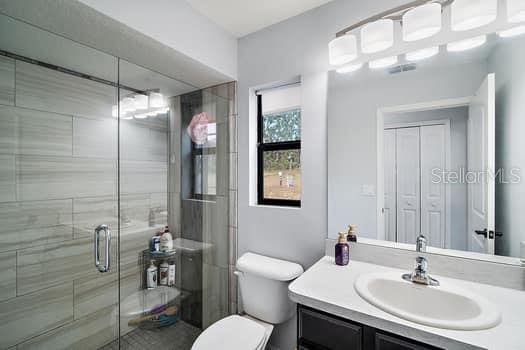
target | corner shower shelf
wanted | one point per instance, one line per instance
(158, 255)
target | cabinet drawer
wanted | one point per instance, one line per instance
(328, 331)
(387, 342)
(306, 345)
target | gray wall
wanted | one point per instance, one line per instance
(507, 62)
(295, 47)
(170, 22)
(155, 48)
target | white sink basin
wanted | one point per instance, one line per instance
(444, 306)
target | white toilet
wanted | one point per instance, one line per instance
(263, 282)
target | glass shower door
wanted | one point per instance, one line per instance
(58, 184)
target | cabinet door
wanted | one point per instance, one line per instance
(387, 342)
(327, 332)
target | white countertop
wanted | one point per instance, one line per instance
(330, 288)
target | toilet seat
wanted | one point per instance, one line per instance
(232, 333)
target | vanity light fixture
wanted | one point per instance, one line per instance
(342, 49)
(515, 31)
(349, 68)
(516, 11)
(422, 22)
(470, 14)
(422, 54)
(383, 62)
(377, 36)
(467, 44)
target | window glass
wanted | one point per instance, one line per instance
(282, 174)
(282, 126)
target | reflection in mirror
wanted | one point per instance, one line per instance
(432, 148)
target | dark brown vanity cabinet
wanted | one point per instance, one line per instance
(318, 330)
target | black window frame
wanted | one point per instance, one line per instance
(271, 146)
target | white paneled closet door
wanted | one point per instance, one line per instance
(408, 184)
(390, 179)
(433, 158)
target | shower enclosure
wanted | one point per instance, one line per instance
(97, 156)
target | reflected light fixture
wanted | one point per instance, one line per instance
(377, 36)
(422, 22)
(349, 68)
(141, 116)
(467, 44)
(383, 62)
(422, 54)
(156, 100)
(342, 49)
(515, 31)
(470, 14)
(516, 11)
(141, 101)
(128, 104)
(114, 111)
(162, 111)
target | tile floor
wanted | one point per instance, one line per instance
(180, 336)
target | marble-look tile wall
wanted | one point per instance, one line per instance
(232, 227)
(209, 220)
(58, 181)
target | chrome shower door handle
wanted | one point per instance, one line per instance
(107, 258)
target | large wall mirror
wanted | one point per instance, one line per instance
(434, 147)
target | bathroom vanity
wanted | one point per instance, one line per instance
(319, 330)
(333, 315)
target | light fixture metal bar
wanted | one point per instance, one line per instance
(396, 13)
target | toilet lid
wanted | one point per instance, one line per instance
(231, 333)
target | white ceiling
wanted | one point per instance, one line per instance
(242, 17)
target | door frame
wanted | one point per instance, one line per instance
(415, 107)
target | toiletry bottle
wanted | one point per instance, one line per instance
(342, 250)
(163, 273)
(352, 234)
(155, 242)
(151, 275)
(171, 274)
(166, 241)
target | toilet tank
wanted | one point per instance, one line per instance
(263, 282)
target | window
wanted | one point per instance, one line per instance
(279, 146)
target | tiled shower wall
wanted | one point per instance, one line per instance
(58, 180)
(232, 226)
(212, 221)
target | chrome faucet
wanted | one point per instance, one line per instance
(420, 275)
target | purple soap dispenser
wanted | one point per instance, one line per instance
(342, 250)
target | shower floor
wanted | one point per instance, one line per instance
(180, 336)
